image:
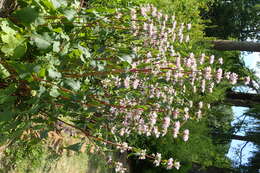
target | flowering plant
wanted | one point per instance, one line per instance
(109, 75)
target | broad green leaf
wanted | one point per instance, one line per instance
(20, 50)
(54, 92)
(3, 72)
(53, 73)
(3, 99)
(56, 3)
(15, 45)
(56, 46)
(7, 29)
(24, 70)
(69, 14)
(48, 4)
(42, 43)
(75, 85)
(6, 115)
(26, 15)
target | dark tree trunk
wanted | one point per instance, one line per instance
(236, 45)
(242, 99)
(243, 138)
(249, 137)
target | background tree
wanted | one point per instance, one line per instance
(233, 18)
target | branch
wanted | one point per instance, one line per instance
(242, 99)
(240, 154)
(228, 45)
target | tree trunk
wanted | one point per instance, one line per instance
(243, 138)
(236, 45)
(228, 137)
(242, 99)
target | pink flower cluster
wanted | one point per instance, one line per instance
(154, 95)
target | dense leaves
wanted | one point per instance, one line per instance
(120, 73)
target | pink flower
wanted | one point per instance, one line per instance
(181, 38)
(176, 129)
(143, 11)
(133, 14)
(219, 75)
(203, 85)
(207, 73)
(175, 113)
(177, 165)
(119, 167)
(156, 132)
(211, 87)
(158, 159)
(188, 26)
(166, 17)
(135, 83)
(191, 103)
(187, 39)
(186, 133)
(142, 154)
(159, 15)
(145, 26)
(118, 15)
(194, 89)
(233, 78)
(166, 122)
(212, 57)
(220, 60)
(200, 105)
(127, 82)
(154, 11)
(202, 58)
(227, 75)
(199, 114)
(169, 164)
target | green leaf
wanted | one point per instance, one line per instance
(24, 70)
(69, 14)
(75, 147)
(6, 115)
(3, 72)
(20, 50)
(56, 46)
(53, 73)
(15, 45)
(7, 29)
(8, 100)
(41, 43)
(75, 85)
(26, 15)
(9, 90)
(127, 58)
(56, 3)
(54, 92)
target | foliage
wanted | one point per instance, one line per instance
(235, 18)
(111, 74)
(201, 150)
